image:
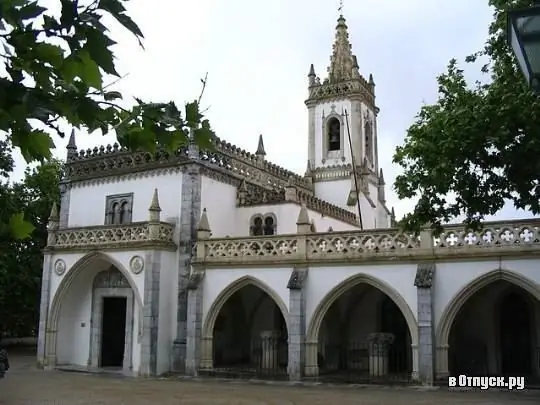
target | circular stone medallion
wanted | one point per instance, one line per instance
(60, 267)
(136, 264)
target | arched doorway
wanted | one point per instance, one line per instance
(364, 337)
(93, 318)
(495, 333)
(250, 335)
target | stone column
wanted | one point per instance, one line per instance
(297, 323)
(190, 212)
(207, 361)
(152, 278)
(44, 309)
(150, 321)
(379, 343)
(46, 350)
(536, 334)
(269, 346)
(194, 321)
(311, 368)
(442, 362)
(425, 301)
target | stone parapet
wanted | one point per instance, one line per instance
(456, 241)
(135, 235)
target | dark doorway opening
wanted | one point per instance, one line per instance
(113, 330)
(515, 329)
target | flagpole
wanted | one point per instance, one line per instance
(354, 169)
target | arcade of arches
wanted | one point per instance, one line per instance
(364, 335)
(250, 334)
(496, 332)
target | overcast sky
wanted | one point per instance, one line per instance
(257, 55)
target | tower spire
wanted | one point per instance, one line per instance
(343, 64)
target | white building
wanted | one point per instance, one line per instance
(222, 261)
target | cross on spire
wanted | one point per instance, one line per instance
(340, 8)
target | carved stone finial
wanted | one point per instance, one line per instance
(53, 217)
(308, 169)
(71, 146)
(260, 147)
(424, 275)
(371, 81)
(303, 216)
(154, 204)
(204, 225)
(381, 178)
(311, 71)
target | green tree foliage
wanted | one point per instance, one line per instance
(55, 68)
(21, 259)
(479, 142)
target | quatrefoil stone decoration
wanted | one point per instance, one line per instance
(136, 264)
(60, 267)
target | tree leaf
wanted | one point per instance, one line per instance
(49, 53)
(97, 44)
(193, 117)
(89, 70)
(19, 228)
(31, 10)
(112, 95)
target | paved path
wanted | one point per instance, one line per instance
(27, 386)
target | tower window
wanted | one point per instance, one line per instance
(368, 132)
(256, 226)
(118, 209)
(263, 225)
(269, 225)
(334, 134)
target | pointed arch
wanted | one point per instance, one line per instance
(454, 306)
(64, 287)
(237, 285)
(312, 334)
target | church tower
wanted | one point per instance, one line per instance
(342, 140)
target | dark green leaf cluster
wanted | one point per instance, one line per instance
(55, 70)
(21, 259)
(476, 147)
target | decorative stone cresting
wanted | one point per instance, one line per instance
(252, 195)
(114, 160)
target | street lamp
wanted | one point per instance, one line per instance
(524, 39)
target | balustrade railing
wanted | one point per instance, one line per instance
(111, 235)
(506, 237)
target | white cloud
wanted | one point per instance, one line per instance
(257, 55)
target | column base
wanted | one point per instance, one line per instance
(179, 356)
(311, 371)
(269, 358)
(378, 365)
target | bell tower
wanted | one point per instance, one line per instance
(342, 135)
